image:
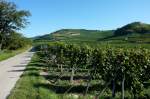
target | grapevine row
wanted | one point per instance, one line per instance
(127, 68)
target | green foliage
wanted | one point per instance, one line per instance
(11, 20)
(107, 64)
(16, 41)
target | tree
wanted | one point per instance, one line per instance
(15, 41)
(11, 19)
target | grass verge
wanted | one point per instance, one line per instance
(7, 53)
(28, 86)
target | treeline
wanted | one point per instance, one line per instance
(12, 20)
(120, 69)
(16, 41)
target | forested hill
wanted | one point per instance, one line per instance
(135, 27)
(135, 32)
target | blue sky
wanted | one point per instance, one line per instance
(51, 15)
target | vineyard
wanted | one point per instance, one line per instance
(95, 72)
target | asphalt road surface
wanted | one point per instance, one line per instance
(11, 70)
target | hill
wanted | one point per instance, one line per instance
(135, 32)
(135, 27)
(75, 35)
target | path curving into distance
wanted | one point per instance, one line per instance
(11, 70)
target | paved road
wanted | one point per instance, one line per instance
(11, 70)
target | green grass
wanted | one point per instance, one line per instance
(26, 87)
(10, 53)
(31, 85)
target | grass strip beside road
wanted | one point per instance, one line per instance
(10, 53)
(31, 84)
